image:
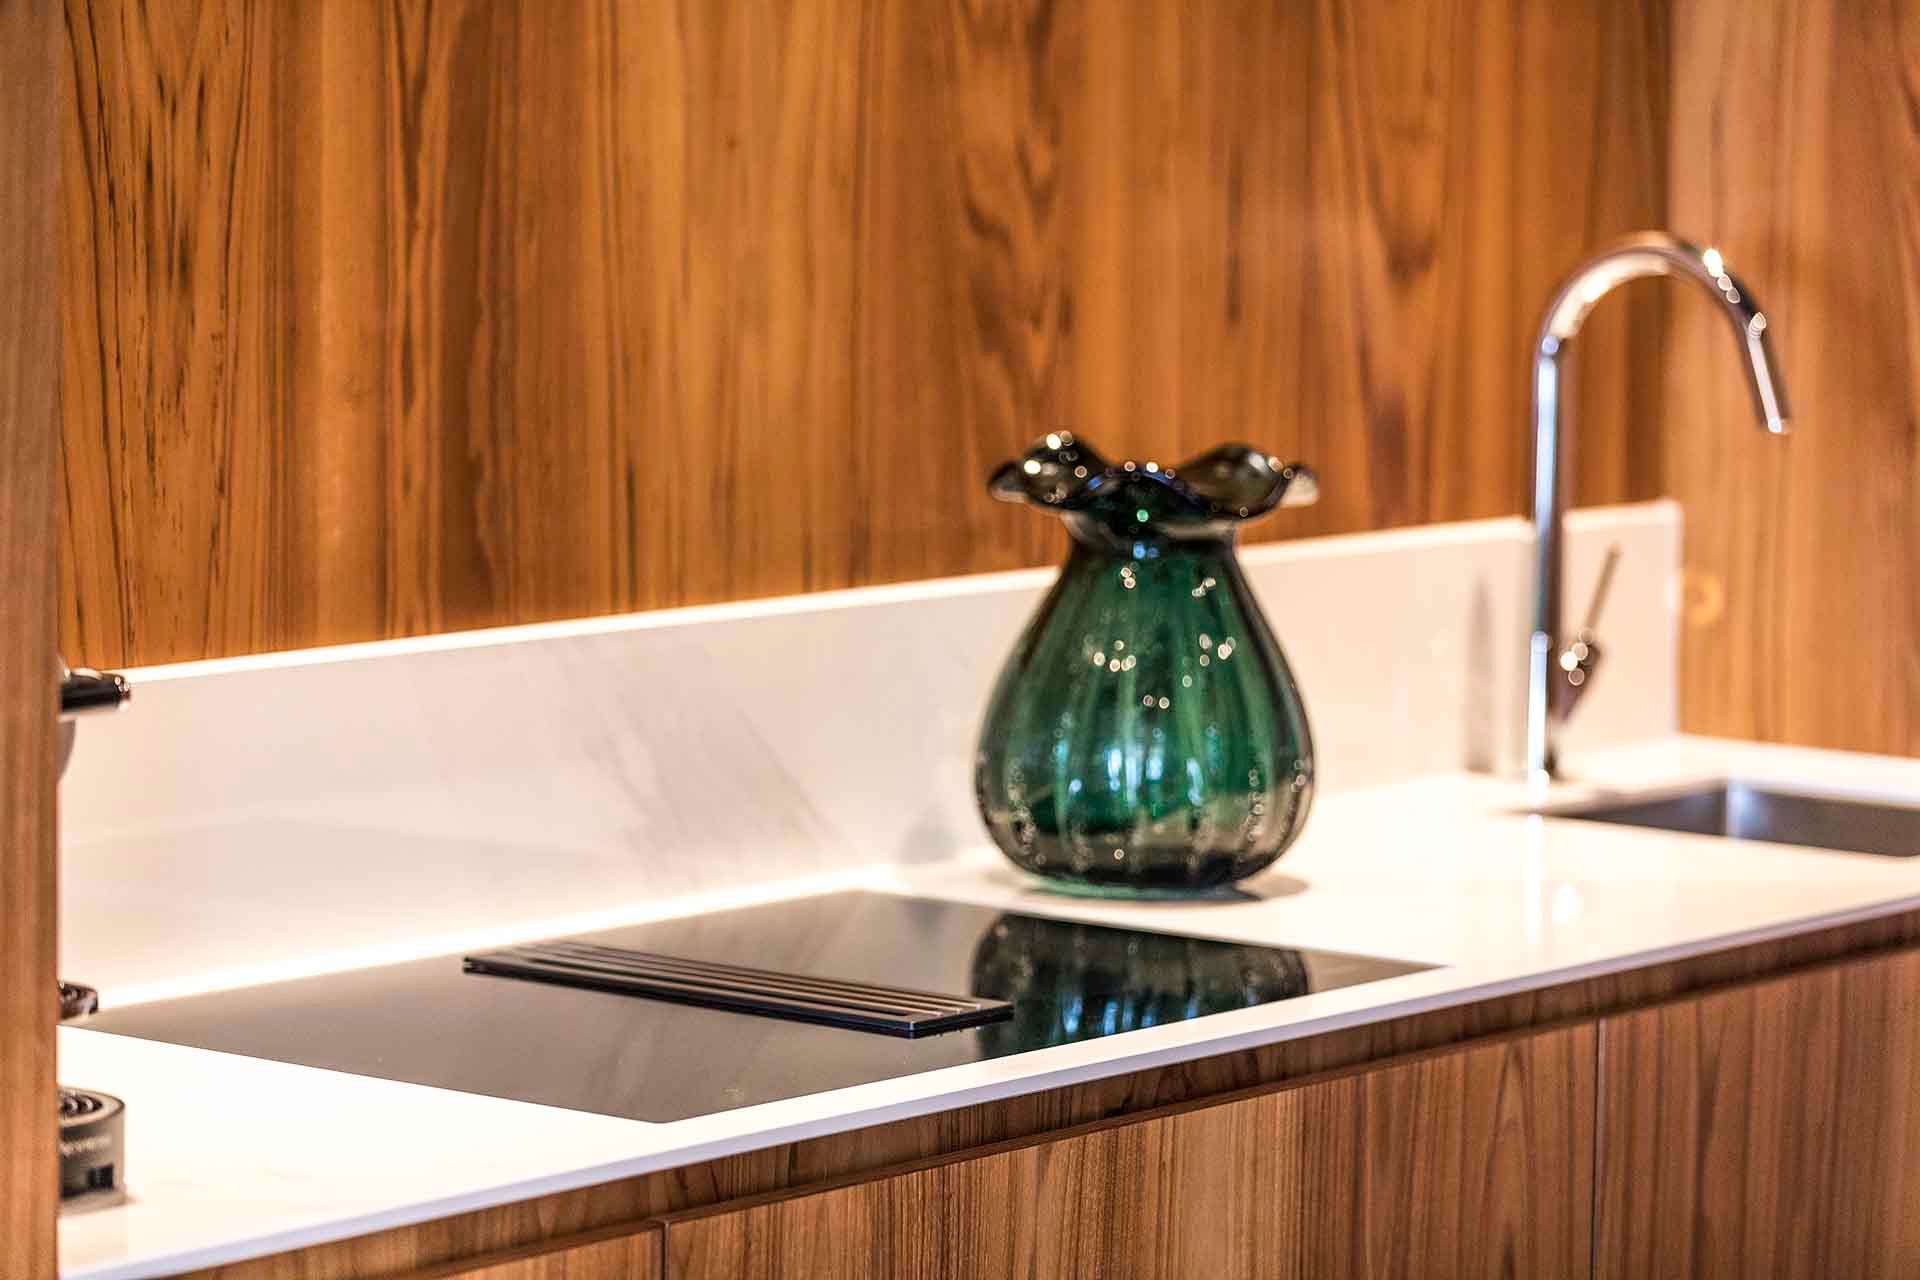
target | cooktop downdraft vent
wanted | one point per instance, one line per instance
(898, 1011)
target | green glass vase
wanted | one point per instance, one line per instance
(1146, 737)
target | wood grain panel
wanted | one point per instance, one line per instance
(1767, 1130)
(387, 319)
(1474, 1163)
(414, 1253)
(1796, 149)
(1343, 224)
(29, 441)
(390, 319)
(632, 1255)
(172, 301)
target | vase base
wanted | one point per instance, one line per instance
(1145, 893)
(1148, 871)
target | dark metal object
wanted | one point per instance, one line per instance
(1746, 811)
(83, 690)
(92, 1125)
(92, 1144)
(899, 1011)
(77, 1001)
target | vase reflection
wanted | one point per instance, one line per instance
(1069, 981)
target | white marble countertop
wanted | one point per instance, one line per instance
(231, 1157)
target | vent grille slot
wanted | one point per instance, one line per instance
(863, 1006)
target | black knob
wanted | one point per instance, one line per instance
(84, 690)
(77, 1001)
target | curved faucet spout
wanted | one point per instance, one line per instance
(1558, 675)
(1654, 253)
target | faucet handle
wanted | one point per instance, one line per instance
(1580, 655)
(1601, 587)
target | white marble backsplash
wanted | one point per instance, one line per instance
(313, 810)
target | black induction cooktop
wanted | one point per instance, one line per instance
(434, 1022)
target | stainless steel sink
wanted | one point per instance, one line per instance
(1749, 811)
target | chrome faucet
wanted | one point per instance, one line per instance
(1558, 674)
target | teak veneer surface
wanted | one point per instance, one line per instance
(1768, 1130)
(1472, 1163)
(411, 317)
(1795, 148)
(628, 1255)
(29, 443)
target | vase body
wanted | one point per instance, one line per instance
(1146, 735)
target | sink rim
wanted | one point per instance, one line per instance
(1767, 811)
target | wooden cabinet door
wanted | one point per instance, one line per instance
(621, 1256)
(633, 1256)
(1768, 1130)
(1476, 1162)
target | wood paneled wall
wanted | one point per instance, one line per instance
(1796, 149)
(393, 318)
(386, 319)
(29, 442)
